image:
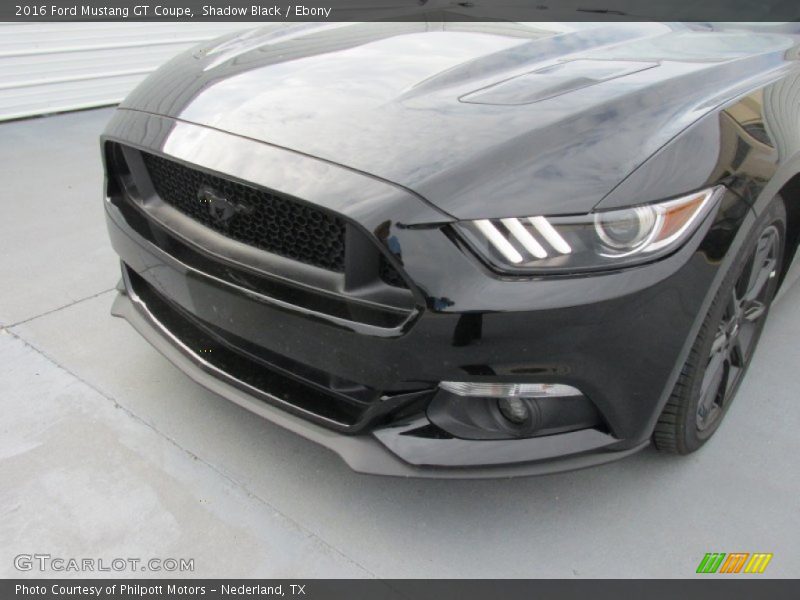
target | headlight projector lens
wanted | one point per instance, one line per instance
(624, 233)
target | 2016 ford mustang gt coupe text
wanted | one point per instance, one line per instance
(464, 249)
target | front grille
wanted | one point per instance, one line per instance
(270, 222)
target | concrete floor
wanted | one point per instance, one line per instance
(107, 451)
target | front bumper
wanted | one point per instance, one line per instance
(618, 337)
(366, 453)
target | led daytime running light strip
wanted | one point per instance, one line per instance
(524, 237)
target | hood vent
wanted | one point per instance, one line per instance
(554, 80)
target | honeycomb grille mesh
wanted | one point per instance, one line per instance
(268, 221)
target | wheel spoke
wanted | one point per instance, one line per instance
(761, 268)
(733, 309)
(753, 310)
(758, 281)
(719, 340)
(737, 353)
(734, 372)
(710, 397)
(747, 333)
(712, 376)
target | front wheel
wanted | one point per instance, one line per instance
(727, 340)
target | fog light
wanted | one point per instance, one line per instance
(509, 390)
(514, 409)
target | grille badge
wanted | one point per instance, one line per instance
(220, 208)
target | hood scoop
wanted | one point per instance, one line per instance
(554, 80)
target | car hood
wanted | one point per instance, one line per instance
(481, 119)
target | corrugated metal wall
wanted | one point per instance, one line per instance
(52, 67)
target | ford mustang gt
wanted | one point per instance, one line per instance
(462, 249)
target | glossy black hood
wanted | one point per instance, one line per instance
(481, 119)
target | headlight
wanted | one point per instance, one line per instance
(600, 240)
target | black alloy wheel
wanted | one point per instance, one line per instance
(738, 330)
(726, 342)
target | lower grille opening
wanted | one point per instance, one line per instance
(329, 400)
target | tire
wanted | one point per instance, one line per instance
(726, 341)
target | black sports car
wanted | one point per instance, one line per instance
(463, 249)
